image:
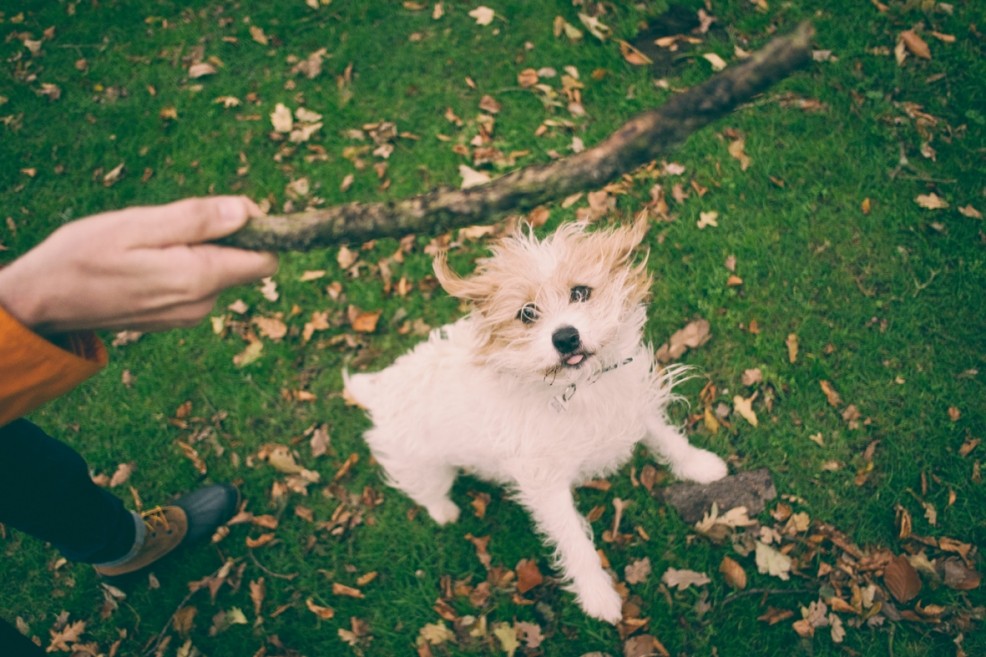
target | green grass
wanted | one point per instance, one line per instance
(886, 304)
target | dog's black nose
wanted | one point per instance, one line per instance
(566, 339)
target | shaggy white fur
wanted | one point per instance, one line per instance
(545, 385)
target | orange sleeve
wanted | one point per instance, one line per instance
(34, 370)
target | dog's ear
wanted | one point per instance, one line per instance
(623, 240)
(461, 288)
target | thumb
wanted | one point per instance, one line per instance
(192, 221)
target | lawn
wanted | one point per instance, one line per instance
(830, 233)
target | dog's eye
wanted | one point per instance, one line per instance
(580, 293)
(529, 314)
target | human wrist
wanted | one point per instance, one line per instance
(19, 302)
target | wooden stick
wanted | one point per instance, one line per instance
(639, 141)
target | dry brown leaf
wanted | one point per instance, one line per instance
(970, 212)
(363, 321)
(257, 34)
(752, 376)
(931, 201)
(693, 335)
(272, 328)
(915, 44)
(260, 541)
(901, 579)
(201, 69)
(637, 571)
(733, 573)
(528, 575)
(957, 575)
(633, 56)
(682, 579)
(258, 590)
(792, 347)
(65, 637)
(483, 15)
(830, 394)
(346, 591)
(122, 474)
(736, 149)
(324, 613)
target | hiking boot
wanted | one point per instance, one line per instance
(191, 518)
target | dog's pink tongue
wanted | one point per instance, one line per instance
(575, 360)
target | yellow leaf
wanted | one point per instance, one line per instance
(257, 34)
(744, 406)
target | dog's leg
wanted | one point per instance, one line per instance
(686, 460)
(428, 484)
(556, 517)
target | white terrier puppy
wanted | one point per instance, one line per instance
(545, 385)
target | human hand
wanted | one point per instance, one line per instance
(142, 268)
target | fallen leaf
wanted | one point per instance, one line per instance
(901, 579)
(693, 335)
(65, 637)
(736, 149)
(483, 15)
(201, 69)
(733, 573)
(637, 571)
(528, 575)
(281, 119)
(752, 377)
(596, 27)
(718, 63)
(471, 177)
(744, 406)
(320, 440)
(634, 56)
(970, 212)
(958, 576)
(435, 634)
(772, 562)
(272, 328)
(346, 591)
(257, 34)
(324, 613)
(507, 636)
(708, 219)
(915, 44)
(682, 579)
(363, 321)
(258, 589)
(792, 347)
(122, 474)
(931, 201)
(114, 175)
(830, 394)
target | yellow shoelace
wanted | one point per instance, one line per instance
(156, 517)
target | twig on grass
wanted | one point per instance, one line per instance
(640, 140)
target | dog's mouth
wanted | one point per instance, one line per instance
(575, 360)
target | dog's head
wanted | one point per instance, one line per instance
(560, 307)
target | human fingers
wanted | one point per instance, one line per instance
(189, 221)
(221, 267)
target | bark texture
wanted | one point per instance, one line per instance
(642, 139)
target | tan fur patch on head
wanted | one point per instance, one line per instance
(525, 270)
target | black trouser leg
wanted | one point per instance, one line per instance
(15, 644)
(46, 491)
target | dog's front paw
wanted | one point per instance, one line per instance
(702, 467)
(601, 600)
(443, 512)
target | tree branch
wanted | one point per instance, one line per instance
(640, 140)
